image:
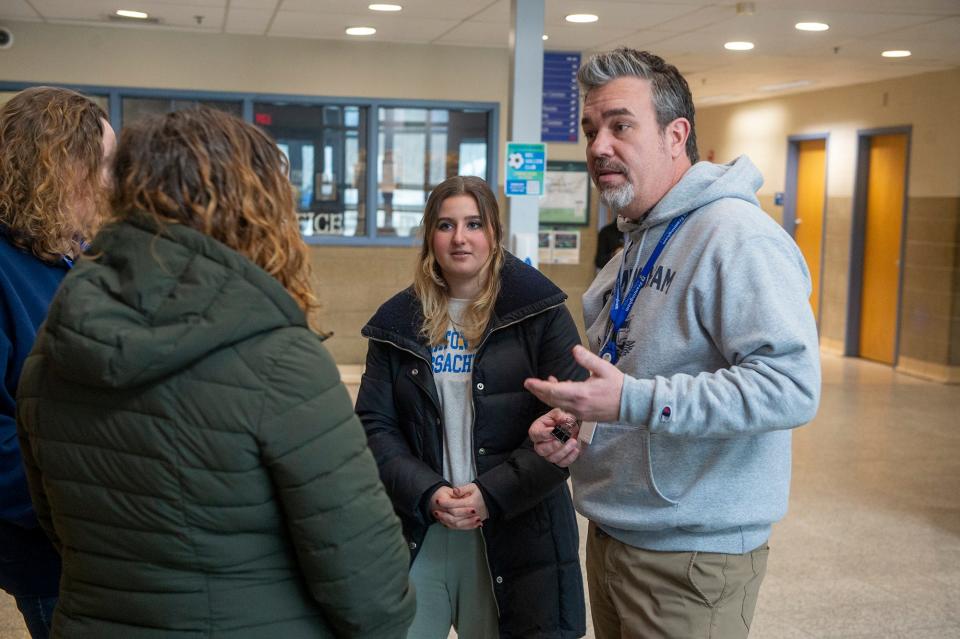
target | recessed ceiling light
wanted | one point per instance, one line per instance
(360, 31)
(126, 13)
(783, 86)
(811, 26)
(738, 46)
(546, 37)
(385, 7)
(896, 54)
(581, 18)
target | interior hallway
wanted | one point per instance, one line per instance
(871, 545)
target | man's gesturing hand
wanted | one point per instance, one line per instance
(596, 399)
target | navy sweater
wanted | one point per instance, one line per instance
(27, 285)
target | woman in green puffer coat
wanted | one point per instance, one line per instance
(189, 446)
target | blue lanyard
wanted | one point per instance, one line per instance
(69, 262)
(620, 308)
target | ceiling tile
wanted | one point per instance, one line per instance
(939, 30)
(567, 37)
(389, 28)
(621, 15)
(929, 7)
(248, 21)
(172, 13)
(17, 10)
(262, 5)
(445, 10)
(498, 11)
(483, 34)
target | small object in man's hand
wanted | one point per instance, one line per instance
(561, 432)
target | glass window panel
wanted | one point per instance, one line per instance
(473, 158)
(327, 163)
(418, 149)
(134, 108)
(438, 157)
(100, 100)
(351, 116)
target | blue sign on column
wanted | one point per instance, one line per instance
(560, 119)
(526, 163)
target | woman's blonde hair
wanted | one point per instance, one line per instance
(51, 160)
(215, 173)
(428, 283)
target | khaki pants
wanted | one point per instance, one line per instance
(643, 594)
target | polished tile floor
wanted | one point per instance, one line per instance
(871, 545)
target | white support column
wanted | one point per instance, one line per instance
(526, 104)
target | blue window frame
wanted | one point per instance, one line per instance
(362, 167)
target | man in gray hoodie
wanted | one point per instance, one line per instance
(704, 357)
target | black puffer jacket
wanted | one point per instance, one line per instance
(531, 536)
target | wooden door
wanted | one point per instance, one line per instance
(886, 184)
(811, 187)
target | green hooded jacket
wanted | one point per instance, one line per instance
(194, 457)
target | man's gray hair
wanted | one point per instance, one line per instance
(671, 94)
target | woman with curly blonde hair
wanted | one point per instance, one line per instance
(490, 524)
(54, 151)
(188, 442)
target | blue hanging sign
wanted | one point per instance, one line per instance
(560, 115)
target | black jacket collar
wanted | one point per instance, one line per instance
(524, 291)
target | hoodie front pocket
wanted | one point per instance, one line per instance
(613, 481)
(648, 472)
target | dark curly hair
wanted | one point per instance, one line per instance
(219, 175)
(51, 161)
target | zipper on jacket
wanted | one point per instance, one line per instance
(476, 464)
(476, 461)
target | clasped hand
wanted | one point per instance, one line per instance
(460, 508)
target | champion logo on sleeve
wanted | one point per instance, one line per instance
(665, 414)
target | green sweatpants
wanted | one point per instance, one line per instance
(453, 587)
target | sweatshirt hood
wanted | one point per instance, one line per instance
(702, 184)
(148, 302)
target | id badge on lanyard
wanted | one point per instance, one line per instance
(620, 307)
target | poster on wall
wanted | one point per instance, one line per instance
(567, 196)
(559, 247)
(566, 247)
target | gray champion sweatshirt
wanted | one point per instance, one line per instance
(721, 360)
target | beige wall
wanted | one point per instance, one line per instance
(930, 325)
(351, 281)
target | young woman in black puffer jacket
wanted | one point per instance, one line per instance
(490, 525)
